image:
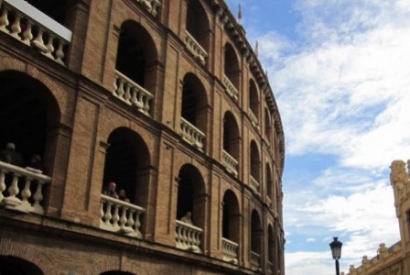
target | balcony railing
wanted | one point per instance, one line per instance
(23, 201)
(254, 184)
(131, 93)
(229, 251)
(230, 163)
(195, 48)
(152, 6)
(270, 268)
(269, 201)
(188, 237)
(30, 26)
(120, 216)
(255, 260)
(230, 88)
(254, 120)
(192, 135)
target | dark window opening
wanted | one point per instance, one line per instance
(130, 56)
(189, 106)
(51, 8)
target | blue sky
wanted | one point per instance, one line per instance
(340, 71)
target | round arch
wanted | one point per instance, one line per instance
(194, 101)
(254, 98)
(28, 112)
(191, 191)
(10, 265)
(136, 54)
(256, 232)
(231, 217)
(197, 23)
(231, 138)
(255, 161)
(126, 162)
(231, 65)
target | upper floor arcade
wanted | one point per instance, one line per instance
(34, 117)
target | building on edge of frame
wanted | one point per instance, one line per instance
(393, 260)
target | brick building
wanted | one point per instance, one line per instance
(167, 99)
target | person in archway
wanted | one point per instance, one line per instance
(123, 196)
(10, 155)
(35, 165)
(110, 190)
(187, 218)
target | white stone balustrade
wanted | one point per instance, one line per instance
(254, 184)
(229, 251)
(270, 268)
(195, 48)
(11, 178)
(131, 93)
(30, 26)
(254, 120)
(269, 201)
(188, 237)
(152, 6)
(255, 260)
(120, 216)
(192, 135)
(230, 163)
(230, 88)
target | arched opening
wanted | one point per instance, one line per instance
(256, 239)
(10, 265)
(49, 7)
(254, 99)
(191, 195)
(116, 272)
(231, 137)
(255, 161)
(231, 65)
(271, 249)
(197, 24)
(28, 111)
(127, 163)
(269, 183)
(194, 102)
(230, 217)
(136, 55)
(268, 126)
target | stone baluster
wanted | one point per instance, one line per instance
(38, 41)
(130, 221)
(123, 219)
(38, 197)
(4, 21)
(26, 193)
(49, 47)
(138, 224)
(108, 215)
(116, 216)
(16, 28)
(27, 35)
(2, 184)
(12, 200)
(60, 52)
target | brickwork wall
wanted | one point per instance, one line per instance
(77, 145)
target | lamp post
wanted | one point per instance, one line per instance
(336, 248)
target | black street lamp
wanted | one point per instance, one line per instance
(336, 248)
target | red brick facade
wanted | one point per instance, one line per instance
(167, 99)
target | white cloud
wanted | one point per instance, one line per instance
(343, 90)
(310, 240)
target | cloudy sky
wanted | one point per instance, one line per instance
(340, 71)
